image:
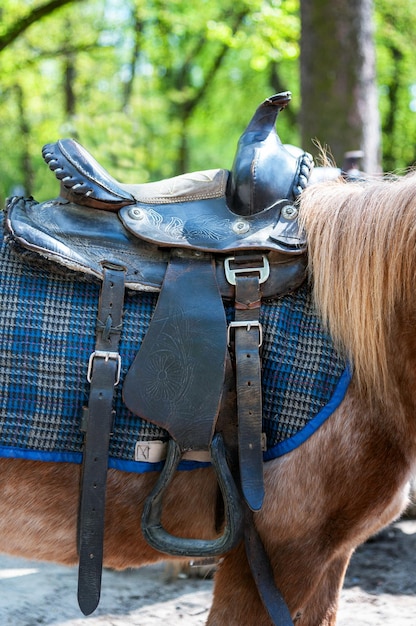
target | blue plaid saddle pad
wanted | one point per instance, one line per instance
(47, 334)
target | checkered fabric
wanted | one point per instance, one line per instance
(47, 334)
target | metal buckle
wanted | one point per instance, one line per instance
(248, 326)
(231, 273)
(104, 354)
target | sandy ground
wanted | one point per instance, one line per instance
(380, 589)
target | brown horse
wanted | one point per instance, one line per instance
(323, 499)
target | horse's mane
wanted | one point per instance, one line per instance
(362, 255)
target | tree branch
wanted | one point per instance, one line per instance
(215, 66)
(23, 24)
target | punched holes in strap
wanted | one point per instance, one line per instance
(246, 334)
(103, 375)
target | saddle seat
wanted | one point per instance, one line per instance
(188, 211)
(85, 182)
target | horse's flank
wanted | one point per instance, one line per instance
(362, 251)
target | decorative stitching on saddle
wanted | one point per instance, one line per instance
(210, 228)
(178, 199)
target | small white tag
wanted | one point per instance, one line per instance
(150, 451)
(155, 451)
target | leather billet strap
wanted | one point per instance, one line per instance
(245, 333)
(103, 375)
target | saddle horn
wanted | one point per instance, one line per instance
(264, 170)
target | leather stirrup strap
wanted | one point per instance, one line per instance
(103, 374)
(247, 342)
(262, 573)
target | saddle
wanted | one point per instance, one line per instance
(198, 239)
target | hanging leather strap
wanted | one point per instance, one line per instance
(247, 333)
(103, 375)
(247, 343)
(262, 573)
(257, 556)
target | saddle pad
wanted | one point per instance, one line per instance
(47, 334)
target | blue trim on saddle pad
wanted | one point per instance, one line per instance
(138, 467)
(312, 426)
(47, 323)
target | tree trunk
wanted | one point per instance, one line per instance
(129, 84)
(69, 81)
(339, 106)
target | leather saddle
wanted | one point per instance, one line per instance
(197, 239)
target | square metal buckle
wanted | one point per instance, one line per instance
(106, 355)
(246, 325)
(231, 273)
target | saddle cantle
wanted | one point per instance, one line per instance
(196, 238)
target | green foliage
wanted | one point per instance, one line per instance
(395, 32)
(156, 87)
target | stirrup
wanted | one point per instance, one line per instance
(161, 540)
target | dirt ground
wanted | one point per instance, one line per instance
(380, 589)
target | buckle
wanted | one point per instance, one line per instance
(106, 355)
(231, 273)
(247, 325)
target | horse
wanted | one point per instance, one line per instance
(343, 484)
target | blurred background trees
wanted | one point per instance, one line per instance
(154, 88)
